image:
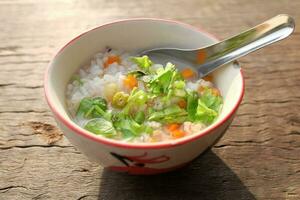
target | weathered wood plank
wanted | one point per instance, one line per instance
(258, 158)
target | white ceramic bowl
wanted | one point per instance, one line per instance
(134, 34)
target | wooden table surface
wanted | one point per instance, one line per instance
(258, 158)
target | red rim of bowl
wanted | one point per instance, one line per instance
(78, 130)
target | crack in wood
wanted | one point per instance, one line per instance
(268, 62)
(293, 133)
(16, 55)
(241, 125)
(25, 62)
(87, 195)
(23, 111)
(35, 145)
(6, 84)
(265, 115)
(81, 170)
(247, 145)
(252, 141)
(15, 85)
(28, 99)
(10, 48)
(272, 101)
(31, 87)
(261, 83)
(237, 142)
(6, 189)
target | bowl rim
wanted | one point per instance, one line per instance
(110, 142)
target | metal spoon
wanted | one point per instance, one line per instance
(209, 58)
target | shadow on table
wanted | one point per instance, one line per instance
(208, 177)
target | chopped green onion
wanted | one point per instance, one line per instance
(180, 84)
(101, 126)
(179, 93)
(143, 62)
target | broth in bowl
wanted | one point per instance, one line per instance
(130, 98)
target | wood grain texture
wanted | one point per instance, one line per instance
(258, 158)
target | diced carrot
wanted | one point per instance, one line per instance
(112, 59)
(208, 78)
(201, 56)
(175, 131)
(201, 89)
(178, 133)
(182, 104)
(188, 73)
(130, 81)
(215, 92)
(173, 127)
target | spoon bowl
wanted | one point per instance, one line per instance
(209, 58)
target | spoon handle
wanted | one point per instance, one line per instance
(272, 30)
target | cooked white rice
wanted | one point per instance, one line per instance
(95, 80)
